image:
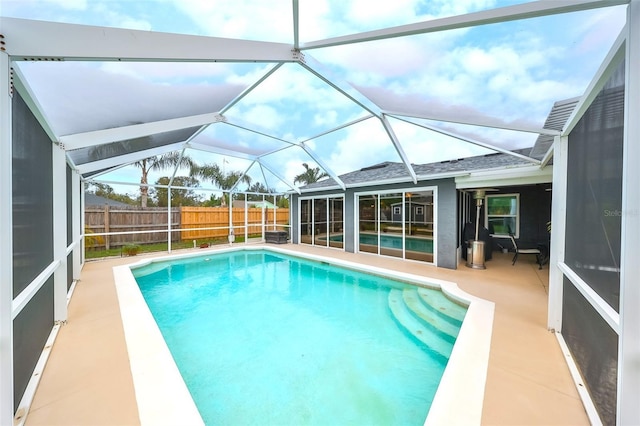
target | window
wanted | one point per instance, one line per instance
(419, 211)
(397, 210)
(503, 214)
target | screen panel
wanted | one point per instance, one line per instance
(594, 346)
(32, 196)
(31, 329)
(594, 192)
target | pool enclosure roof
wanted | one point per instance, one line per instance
(262, 87)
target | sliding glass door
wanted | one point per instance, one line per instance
(397, 224)
(322, 221)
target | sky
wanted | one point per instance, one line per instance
(509, 73)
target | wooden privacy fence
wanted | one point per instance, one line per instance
(215, 221)
(105, 218)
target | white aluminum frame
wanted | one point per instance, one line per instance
(6, 244)
(76, 222)
(504, 14)
(629, 343)
(59, 189)
(558, 228)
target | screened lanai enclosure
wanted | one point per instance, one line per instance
(402, 111)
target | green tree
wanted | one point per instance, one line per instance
(106, 191)
(258, 187)
(159, 162)
(213, 201)
(99, 189)
(283, 202)
(179, 196)
(310, 175)
(223, 180)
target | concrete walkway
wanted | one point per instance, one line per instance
(87, 380)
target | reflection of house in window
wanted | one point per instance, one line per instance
(414, 212)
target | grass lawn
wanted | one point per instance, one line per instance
(121, 251)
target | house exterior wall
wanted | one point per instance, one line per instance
(446, 215)
(535, 213)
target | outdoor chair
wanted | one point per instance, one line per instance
(536, 251)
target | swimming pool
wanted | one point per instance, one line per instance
(136, 330)
(316, 343)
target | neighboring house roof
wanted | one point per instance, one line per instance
(259, 204)
(396, 172)
(95, 200)
(556, 120)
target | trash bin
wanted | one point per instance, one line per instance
(475, 255)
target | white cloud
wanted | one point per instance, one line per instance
(244, 19)
(381, 13)
(458, 7)
(326, 118)
(362, 145)
(264, 116)
(69, 4)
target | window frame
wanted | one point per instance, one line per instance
(487, 216)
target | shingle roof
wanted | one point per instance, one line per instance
(91, 199)
(389, 171)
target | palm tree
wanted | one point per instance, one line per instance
(310, 175)
(223, 180)
(159, 162)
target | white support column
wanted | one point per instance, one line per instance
(275, 213)
(6, 245)
(246, 219)
(230, 207)
(59, 187)
(558, 217)
(629, 339)
(169, 218)
(76, 222)
(82, 221)
(262, 218)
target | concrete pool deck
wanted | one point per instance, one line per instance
(87, 380)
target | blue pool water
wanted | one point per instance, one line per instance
(263, 338)
(422, 245)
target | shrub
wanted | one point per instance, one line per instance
(131, 249)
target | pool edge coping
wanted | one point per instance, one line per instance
(163, 397)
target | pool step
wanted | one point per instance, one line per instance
(440, 303)
(430, 315)
(425, 333)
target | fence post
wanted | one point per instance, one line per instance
(106, 226)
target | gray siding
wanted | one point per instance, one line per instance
(447, 224)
